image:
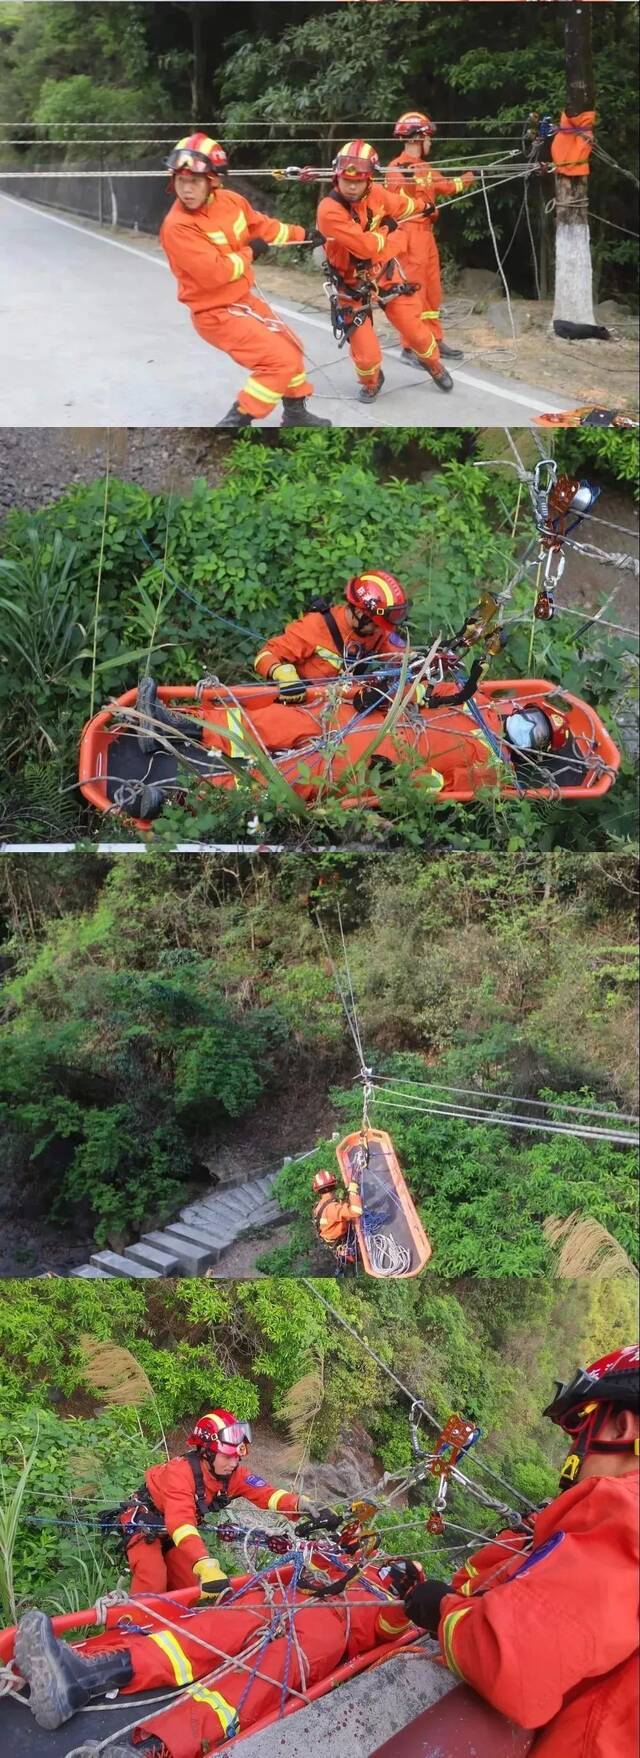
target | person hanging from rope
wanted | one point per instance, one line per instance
(360, 224)
(211, 238)
(285, 1642)
(418, 251)
(160, 1525)
(551, 1641)
(328, 641)
(334, 1217)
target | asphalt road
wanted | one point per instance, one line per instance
(92, 335)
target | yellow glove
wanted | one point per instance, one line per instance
(353, 1188)
(212, 1581)
(292, 687)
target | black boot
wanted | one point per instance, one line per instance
(147, 703)
(140, 799)
(61, 1680)
(447, 353)
(440, 376)
(235, 417)
(368, 395)
(296, 414)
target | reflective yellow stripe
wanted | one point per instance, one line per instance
(218, 237)
(448, 1628)
(240, 226)
(277, 1497)
(375, 218)
(300, 379)
(409, 206)
(265, 654)
(331, 657)
(430, 350)
(282, 234)
(183, 1532)
(428, 314)
(180, 1663)
(237, 747)
(380, 239)
(470, 1568)
(367, 371)
(227, 1715)
(254, 389)
(238, 263)
(458, 185)
(393, 1629)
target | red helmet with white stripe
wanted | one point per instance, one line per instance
(221, 1432)
(355, 160)
(414, 123)
(377, 595)
(198, 154)
(323, 1181)
(582, 1406)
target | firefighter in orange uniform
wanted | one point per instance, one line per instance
(332, 640)
(360, 223)
(551, 1641)
(160, 1526)
(211, 237)
(308, 1643)
(419, 252)
(334, 1217)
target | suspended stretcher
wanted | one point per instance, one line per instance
(479, 1731)
(391, 1238)
(324, 746)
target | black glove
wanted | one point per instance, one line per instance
(258, 246)
(422, 1604)
(388, 224)
(404, 1575)
(322, 1517)
(368, 698)
(427, 213)
(313, 236)
(289, 694)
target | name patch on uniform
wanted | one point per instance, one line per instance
(256, 1482)
(538, 1555)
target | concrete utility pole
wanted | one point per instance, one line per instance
(574, 275)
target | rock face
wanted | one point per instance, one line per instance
(498, 315)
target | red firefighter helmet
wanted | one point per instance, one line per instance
(355, 160)
(378, 595)
(323, 1181)
(413, 123)
(199, 154)
(220, 1432)
(581, 1407)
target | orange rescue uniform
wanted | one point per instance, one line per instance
(419, 251)
(168, 1561)
(552, 1644)
(362, 1617)
(308, 644)
(352, 231)
(209, 254)
(333, 1216)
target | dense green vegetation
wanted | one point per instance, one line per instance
(482, 1350)
(282, 86)
(153, 1009)
(86, 608)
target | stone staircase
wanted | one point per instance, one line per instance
(202, 1232)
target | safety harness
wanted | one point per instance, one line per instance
(365, 295)
(145, 1519)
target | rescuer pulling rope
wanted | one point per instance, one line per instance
(359, 222)
(420, 256)
(211, 237)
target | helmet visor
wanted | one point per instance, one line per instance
(235, 1438)
(186, 160)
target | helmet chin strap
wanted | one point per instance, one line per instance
(585, 1442)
